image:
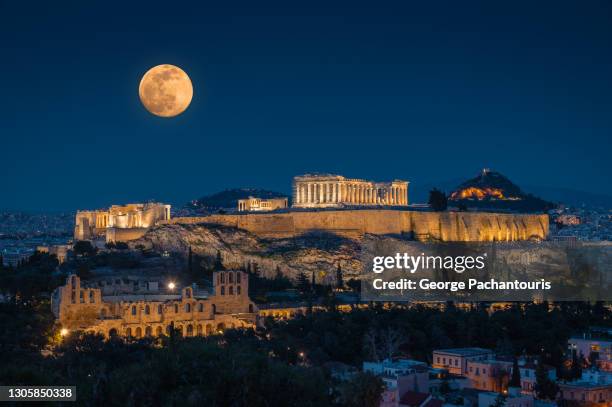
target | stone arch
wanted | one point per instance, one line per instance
(199, 330)
(220, 327)
(148, 331)
(189, 331)
(209, 329)
(169, 329)
(159, 331)
(138, 332)
(128, 332)
(112, 333)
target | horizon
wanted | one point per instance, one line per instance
(287, 191)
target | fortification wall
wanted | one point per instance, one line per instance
(124, 235)
(440, 226)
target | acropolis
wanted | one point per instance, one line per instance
(328, 190)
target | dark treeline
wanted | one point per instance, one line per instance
(282, 363)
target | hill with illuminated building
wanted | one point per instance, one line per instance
(492, 190)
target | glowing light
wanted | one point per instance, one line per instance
(301, 354)
(63, 332)
(171, 285)
(478, 193)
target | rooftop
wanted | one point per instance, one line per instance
(464, 351)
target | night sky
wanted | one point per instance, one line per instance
(422, 92)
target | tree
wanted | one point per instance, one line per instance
(500, 401)
(84, 248)
(445, 386)
(363, 390)
(354, 285)
(302, 283)
(438, 200)
(576, 368)
(219, 262)
(545, 388)
(339, 279)
(593, 358)
(515, 381)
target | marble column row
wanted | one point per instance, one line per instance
(351, 193)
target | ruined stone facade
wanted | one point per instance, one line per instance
(423, 226)
(324, 191)
(110, 307)
(119, 222)
(252, 204)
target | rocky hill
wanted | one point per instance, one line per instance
(490, 189)
(322, 252)
(318, 252)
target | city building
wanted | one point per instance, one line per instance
(528, 375)
(418, 399)
(119, 222)
(455, 360)
(252, 204)
(118, 307)
(488, 375)
(328, 190)
(593, 347)
(513, 398)
(593, 389)
(399, 377)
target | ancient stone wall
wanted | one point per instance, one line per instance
(77, 307)
(424, 226)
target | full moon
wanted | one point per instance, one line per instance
(165, 90)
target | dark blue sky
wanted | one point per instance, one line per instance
(423, 91)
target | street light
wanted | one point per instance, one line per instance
(171, 285)
(63, 332)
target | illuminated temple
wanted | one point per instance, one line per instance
(327, 190)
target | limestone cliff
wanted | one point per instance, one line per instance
(321, 252)
(312, 252)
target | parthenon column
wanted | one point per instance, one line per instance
(339, 192)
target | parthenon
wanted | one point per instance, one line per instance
(328, 190)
